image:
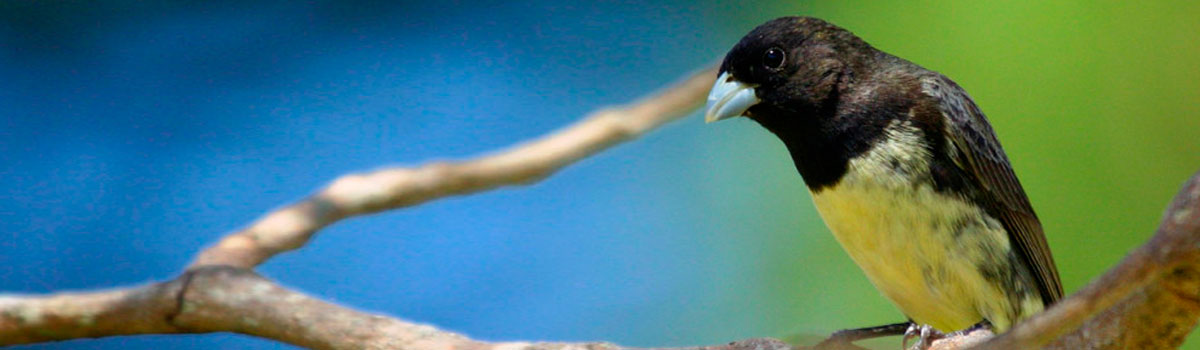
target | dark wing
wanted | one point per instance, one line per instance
(980, 156)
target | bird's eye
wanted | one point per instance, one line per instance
(773, 58)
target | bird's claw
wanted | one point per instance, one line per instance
(925, 335)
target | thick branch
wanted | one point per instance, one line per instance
(225, 299)
(358, 194)
(1151, 299)
(228, 299)
(143, 310)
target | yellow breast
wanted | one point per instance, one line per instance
(921, 248)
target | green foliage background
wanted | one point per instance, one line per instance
(1096, 103)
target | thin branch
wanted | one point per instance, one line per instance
(358, 194)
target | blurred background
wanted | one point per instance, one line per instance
(133, 133)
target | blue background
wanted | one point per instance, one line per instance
(133, 134)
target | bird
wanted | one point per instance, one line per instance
(903, 168)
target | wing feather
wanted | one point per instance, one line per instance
(979, 155)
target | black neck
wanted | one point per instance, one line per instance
(822, 147)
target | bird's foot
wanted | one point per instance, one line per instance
(925, 335)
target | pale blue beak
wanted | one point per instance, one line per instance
(729, 98)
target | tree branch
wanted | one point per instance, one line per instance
(142, 310)
(229, 299)
(359, 194)
(1150, 301)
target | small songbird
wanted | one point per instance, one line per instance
(904, 169)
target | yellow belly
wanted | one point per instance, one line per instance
(921, 248)
(914, 263)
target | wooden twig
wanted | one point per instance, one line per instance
(292, 226)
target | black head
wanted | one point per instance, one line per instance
(790, 67)
(797, 77)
